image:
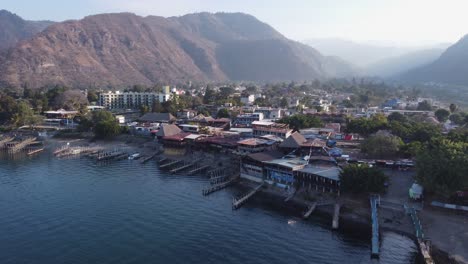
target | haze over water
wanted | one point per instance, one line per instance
(77, 211)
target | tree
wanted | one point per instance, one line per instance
(458, 135)
(367, 126)
(424, 106)
(284, 102)
(92, 96)
(453, 108)
(105, 125)
(71, 100)
(458, 118)
(395, 116)
(7, 108)
(442, 166)
(223, 113)
(442, 115)
(24, 115)
(382, 145)
(210, 96)
(225, 92)
(156, 107)
(360, 178)
(144, 109)
(300, 121)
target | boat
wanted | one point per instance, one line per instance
(134, 156)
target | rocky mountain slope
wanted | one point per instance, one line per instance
(125, 49)
(14, 29)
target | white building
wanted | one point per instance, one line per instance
(248, 100)
(132, 100)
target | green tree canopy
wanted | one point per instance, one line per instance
(382, 145)
(105, 124)
(223, 113)
(442, 115)
(442, 166)
(300, 121)
(367, 126)
(395, 116)
(360, 178)
(424, 106)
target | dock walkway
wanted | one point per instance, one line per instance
(237, 203)
(217, 187)
(374, 203)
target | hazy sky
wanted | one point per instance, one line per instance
(399, 21)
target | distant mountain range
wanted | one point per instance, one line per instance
(14, 29)
(125, 49)
(450, 68)
(394, 66)
(379, 59)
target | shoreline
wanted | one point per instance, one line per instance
(349, 220)
(351, 217)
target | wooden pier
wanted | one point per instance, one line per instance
(78, 150)
(16, 146)
(218, 179)
(374, 203)
(237, 203)
(186, 165)
(199, 169)
(34, 151)
(111, 155)
(336, 216)
(310, 210)
(172, 163)
(150, 157)
(217, 187)
(4, 140)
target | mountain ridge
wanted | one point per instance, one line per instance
(122, 49)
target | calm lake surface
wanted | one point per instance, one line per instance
(77, 211)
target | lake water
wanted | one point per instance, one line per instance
(77, 211)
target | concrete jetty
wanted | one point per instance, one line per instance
(237, 203)
(336, 216)
(424, 245)
(374, 203)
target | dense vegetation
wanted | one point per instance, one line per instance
(442, 166)
(300, 121)
(360, 178)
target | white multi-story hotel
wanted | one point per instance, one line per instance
(132, 100)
